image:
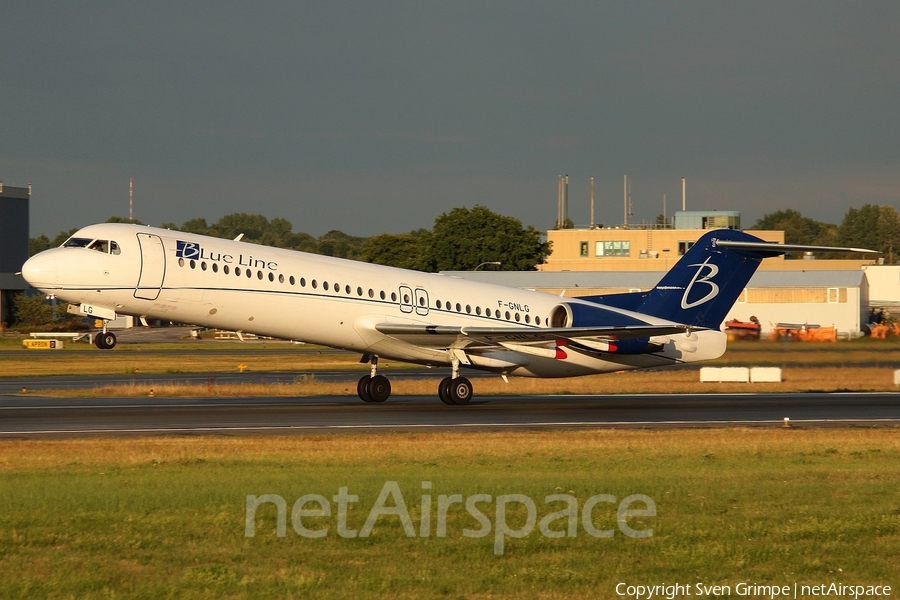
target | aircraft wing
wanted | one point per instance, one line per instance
(443, 336)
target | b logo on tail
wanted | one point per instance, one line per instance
(707, 279)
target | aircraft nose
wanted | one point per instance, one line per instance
(41, 271)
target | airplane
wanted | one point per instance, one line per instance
(429, 319)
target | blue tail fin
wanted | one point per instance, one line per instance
(703, 286)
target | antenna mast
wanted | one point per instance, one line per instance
(131, 199)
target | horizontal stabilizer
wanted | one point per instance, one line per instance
(783, 248)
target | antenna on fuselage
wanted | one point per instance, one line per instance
(238, 238)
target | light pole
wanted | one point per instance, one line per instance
(491, 262)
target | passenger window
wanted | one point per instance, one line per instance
(226, 270)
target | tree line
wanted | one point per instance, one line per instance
(871, 226)
(460, 240)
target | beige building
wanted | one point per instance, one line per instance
(654, 249)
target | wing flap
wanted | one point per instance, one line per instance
(451, 336)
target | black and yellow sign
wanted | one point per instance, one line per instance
(42, 344)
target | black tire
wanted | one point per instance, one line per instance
(379, 388)
(109, 340)
(105, 341)
(362, 389)
(444, 391)
(460, 390)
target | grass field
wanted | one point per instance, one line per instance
(165, 517)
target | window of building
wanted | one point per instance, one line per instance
(583, 250)
(684, 246)
(622, 248)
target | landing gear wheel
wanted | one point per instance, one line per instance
(105, 340)
(379, 388)
(444, 391)
(362, 389)
(460, 390)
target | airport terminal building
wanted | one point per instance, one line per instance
(13, 246)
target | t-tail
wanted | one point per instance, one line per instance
(703, 286)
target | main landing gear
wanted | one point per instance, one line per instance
(374, 387)
(453, 390)
(105, 340)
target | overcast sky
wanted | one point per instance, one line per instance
(374, 117)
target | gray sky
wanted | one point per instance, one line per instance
(374, 117)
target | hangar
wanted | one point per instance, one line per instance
(13, 246)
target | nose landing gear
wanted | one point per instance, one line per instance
(105, 340)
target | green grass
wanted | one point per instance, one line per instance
(165, 517)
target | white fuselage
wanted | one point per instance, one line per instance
(238, 286)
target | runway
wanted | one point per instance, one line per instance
(35, 416)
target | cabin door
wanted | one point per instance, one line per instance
(153, 267)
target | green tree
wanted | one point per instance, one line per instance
(798, 229)
(198, 226)
(252, 226)
(404, 250)
(873, 227)
(38, 244)
(123, 220)
(339, 244)
(41, 243)
(33, 311)
(464, 238)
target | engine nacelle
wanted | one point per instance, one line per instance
(572, 314)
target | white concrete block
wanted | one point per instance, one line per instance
(897, 377)
(765, 375)
(724, 374)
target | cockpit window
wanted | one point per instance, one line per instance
(100, 246)
(104, 246)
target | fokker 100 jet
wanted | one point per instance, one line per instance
(384, 312)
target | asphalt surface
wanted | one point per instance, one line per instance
(31, 415)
